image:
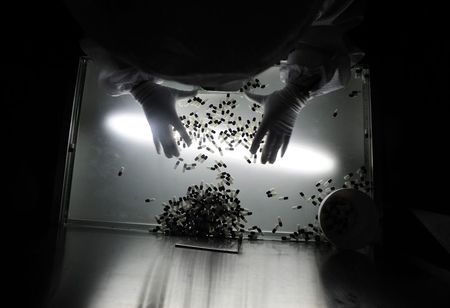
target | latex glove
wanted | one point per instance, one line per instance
(280, 112)
(158, 103)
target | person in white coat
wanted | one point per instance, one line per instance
(134, 60)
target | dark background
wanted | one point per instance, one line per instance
(408, 56)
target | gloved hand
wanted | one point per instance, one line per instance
(159, 106)
(280, 112)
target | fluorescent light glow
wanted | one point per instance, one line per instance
(132, 126)
(306, 159)
(298, 158)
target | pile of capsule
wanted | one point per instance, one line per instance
(207, 210)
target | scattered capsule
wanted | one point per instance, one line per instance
(335, 113)
(275, 229)
(283, 198)
(176, 164)
(280, 223)
(348, 176)
(353, 93)
(122, 169)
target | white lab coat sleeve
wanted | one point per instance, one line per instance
(325, 40)
(115, 77)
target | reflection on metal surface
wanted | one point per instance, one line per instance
(217, 245)
(124, 269)
(350, 280)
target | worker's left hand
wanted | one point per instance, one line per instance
(158, 103)
(280, 112)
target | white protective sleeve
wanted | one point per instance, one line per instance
(115, 77)
(323, 53)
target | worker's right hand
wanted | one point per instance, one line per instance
(280, 112)
(158, 103)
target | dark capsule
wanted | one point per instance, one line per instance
(121, 171)
(280, 223)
